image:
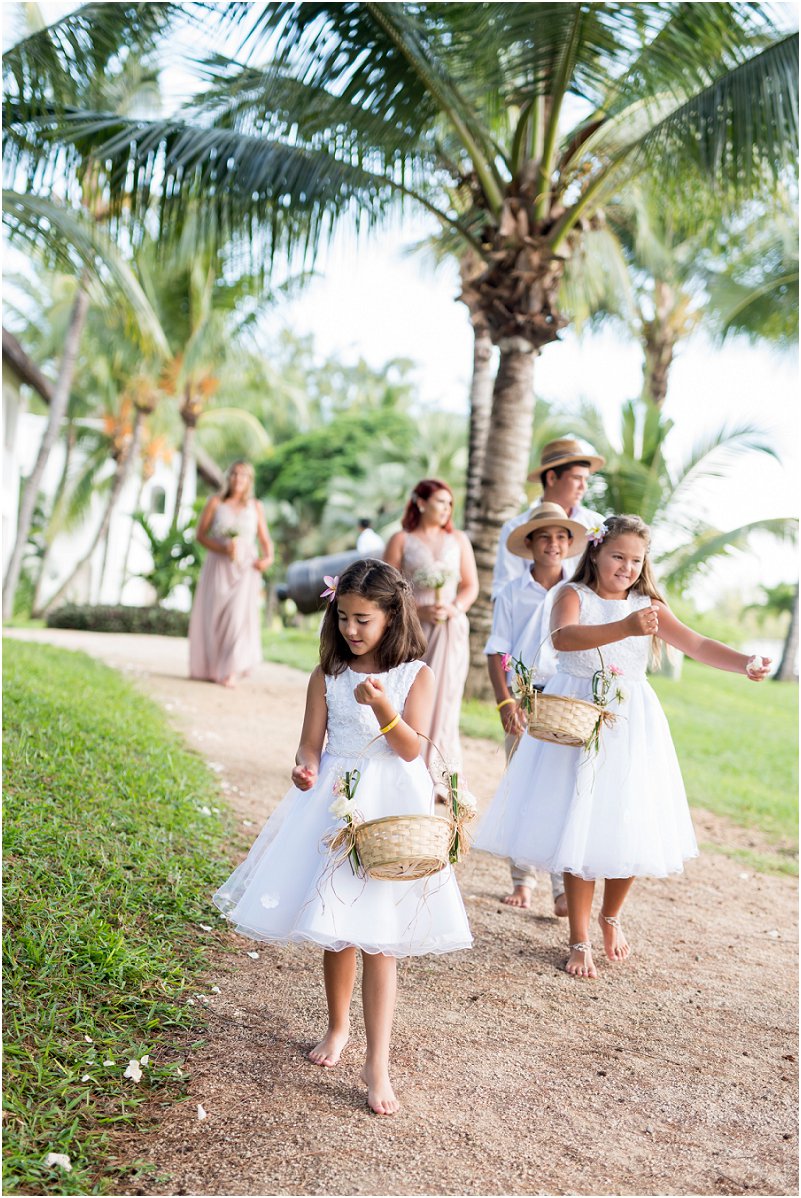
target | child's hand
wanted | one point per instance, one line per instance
(369, 692)
(644, 622)
(757, 668)
(304, 777)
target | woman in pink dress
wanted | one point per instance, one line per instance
(224, 629)
(438, 561)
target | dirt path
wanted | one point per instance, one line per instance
(675, 1074)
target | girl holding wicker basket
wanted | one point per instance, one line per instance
(614, 806)
(358, 760)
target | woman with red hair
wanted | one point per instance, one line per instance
(438, 561)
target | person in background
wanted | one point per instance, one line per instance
(368, 542)
(565, 467)
(224, 628)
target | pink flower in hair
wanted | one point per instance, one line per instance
(331, 584)
(596, 534)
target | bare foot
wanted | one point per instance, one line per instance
(380, 1095)
(520, 897)
(560, 906)
(580, 964)
(329, 1050)
(230, 682)
(616, 945)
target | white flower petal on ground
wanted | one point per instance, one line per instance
(134, 1071)
(204, 810)
(190, 1002)
(201, 1111)
(253, 956)
(88, 1039)
(774, 934)
(145, 1060)
(268, 901)
(216, 990)
(86, 1078)
(109, 1062)
(247, 823)
(217, 766)
(204, 927)
(59, 1158)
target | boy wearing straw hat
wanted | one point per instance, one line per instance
(565, 466)
(545, 541)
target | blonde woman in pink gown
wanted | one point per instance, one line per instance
(438, 561)
(224, 629)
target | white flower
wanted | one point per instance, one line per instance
(201, 1112)
(109, 1062)
(466, 799)
(59, 1158)
(204, 927)
(134, 1071)
(268, 901)
(145, 1060)
(88, 1039)
(596, 533)
(253, 956)
(216, 990)
(342, 808)
(86, 1078)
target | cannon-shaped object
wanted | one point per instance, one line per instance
(304, 579)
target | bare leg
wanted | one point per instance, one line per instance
(616, 945)
(339, 973)
(578, 893)
(523, 882)
(558, 892)
(379, 990)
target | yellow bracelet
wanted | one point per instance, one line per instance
(503, 703)
(389, 727)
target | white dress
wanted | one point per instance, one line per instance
(286, 890)
(620, 814)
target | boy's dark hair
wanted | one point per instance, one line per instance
(365, 522)
(559, 470)
(403, 638)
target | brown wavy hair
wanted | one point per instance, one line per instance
(226, 491)
(403, 638)
(587, 570)
(424, 490)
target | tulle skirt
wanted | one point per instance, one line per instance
(290, 889)
(621, 813)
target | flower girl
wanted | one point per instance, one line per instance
(616, 810)
(366, 700)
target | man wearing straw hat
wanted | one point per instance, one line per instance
(565, 466)
(545, 541)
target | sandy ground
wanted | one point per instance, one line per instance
(675, 1073)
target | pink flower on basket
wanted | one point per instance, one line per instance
(616, 671)
(506, 662)
(331, 584)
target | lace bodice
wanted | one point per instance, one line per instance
(418, 560)
(629, 655)
(351, 725)
(231, 517)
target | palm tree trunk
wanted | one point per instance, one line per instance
(787, 667)
(187, 455)
(123, 467)
(36, 609)
(659, 345)
(127, 460)
(504, 475)
(128, 547)
(58, 408)
(481, 388)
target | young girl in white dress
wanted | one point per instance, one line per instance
(622, 813)
(369, 697)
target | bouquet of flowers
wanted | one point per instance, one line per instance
(232, 534)
(344, 808)
(433, 578)
(525, 679)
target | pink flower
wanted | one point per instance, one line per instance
(331, 584)
(616, 671)
(506, 661)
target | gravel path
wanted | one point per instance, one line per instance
(673, 1074)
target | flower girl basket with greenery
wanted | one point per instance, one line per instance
(402, 848)
(562, 720)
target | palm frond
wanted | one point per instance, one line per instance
(710, 544)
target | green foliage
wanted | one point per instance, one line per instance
(778, 601)
(175, 557)
(158, 621)
(112, 848)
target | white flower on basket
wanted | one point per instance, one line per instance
(342, 808)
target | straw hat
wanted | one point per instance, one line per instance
(564, 450)
(546, 515)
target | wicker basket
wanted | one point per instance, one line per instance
(559, 719)
(403, 848)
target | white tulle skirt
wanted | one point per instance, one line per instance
(620, 814)
(287, 890)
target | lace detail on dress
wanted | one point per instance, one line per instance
(230, 518)
(351, 725)
(629, 655)
(418, 556)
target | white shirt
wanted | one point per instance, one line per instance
(518, 624)
(509, 566)
(369, 543)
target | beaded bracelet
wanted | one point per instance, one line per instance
(390, 726)
(503, 703)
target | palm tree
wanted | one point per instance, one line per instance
(359, 99)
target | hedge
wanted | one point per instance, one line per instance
(159, 621)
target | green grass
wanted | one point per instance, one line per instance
(736, 741)
(110, 864)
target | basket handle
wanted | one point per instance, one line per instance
(436, 749)
(550, 636)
